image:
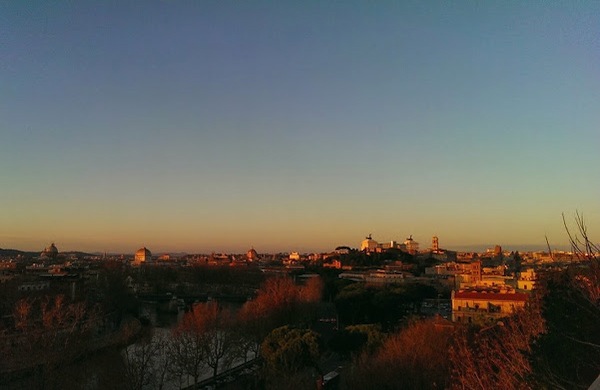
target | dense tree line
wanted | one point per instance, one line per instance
(358, 258)
(48, 332)
(58, 331)
(212, 338)
(415, 357)
(388, 305)
(553, 343)
(567, 354)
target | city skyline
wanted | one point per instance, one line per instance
(239, 248)
(191, 127)
(68, 244)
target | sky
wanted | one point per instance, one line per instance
(204, 126)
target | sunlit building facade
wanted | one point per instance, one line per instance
(142, 255)
(485, 306)
(252, 255)
(412, 246)
(369, 244)
(435, 244)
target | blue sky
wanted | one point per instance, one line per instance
(217, 125)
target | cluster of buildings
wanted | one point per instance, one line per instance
(485, 294)
(369, 245)
(50, 270)
(485, 306)
(483, 286)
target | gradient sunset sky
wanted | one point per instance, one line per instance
(205, 126)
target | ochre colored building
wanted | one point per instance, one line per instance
(485, 306)
(142, 255)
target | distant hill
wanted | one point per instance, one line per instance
(79, 254)
(16, 252)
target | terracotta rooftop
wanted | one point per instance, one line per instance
(488, 296)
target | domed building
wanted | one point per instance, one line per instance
(142, 255)
(252, 255)
(50, 252)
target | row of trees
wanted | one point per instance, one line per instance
(204, 339)
(47, 332)
(50, 334)
(553, 343)
(212, 338)
(369, 259)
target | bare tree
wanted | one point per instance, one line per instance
(484, 357)
(147, 364)
(187, 353)
(139, 364)
(252, 327)
(205, 338)
(219, 339)
(567, 356)
(164, 369)
(580, 242)
(49, 332)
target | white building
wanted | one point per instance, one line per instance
(412, 246)
(368, 244)
(526, 280)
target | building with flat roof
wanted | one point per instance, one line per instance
(370, 245)
(485, 306)
(527, 279)
(411, 245)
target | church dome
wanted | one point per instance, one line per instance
(142, 255)
(50, 251)
(143, 252)
(252, 255)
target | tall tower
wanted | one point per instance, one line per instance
(435, 244)
(497, 250)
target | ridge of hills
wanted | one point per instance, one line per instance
(17, 252)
